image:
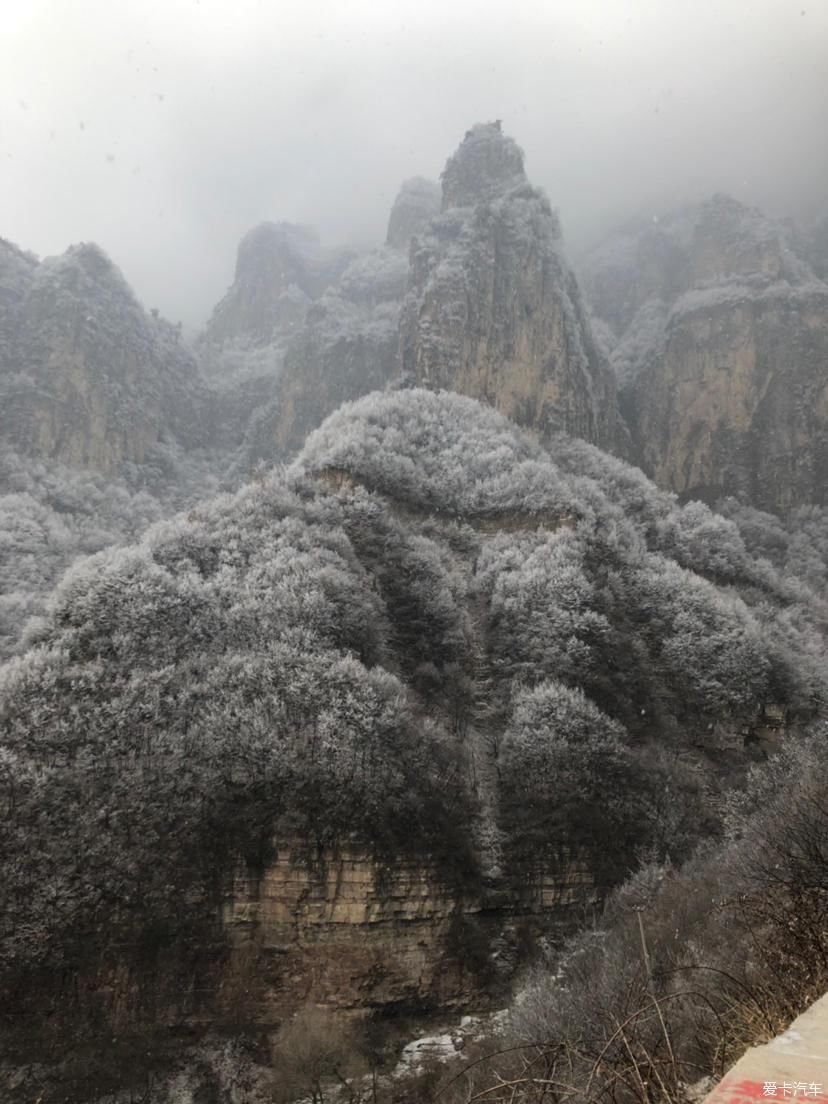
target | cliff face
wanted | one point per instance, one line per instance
(347, 342)
(493, 310)
(86, 376)
(346, 348)
(737, 402)
(280, 270)
(355, 935)
(722, 346)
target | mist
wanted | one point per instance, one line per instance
(163, 131)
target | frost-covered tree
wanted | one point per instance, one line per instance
(569, 786)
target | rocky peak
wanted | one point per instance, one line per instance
(16, 266)
(280, 269)
(17, 271)
(493, 310)
(417, 201)
(723, 338)
(275, 279)
(730, 239)
(86, 376)
(276, 255)
(487, 163)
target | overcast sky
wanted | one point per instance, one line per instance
(163, 129)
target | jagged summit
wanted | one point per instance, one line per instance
(281, 268)
(273, 284)
(417, 201)
(731, 239)
(87, 377)
(278, 253)
(486, 164)
(492, 309)
(722, 331)
(89, 268)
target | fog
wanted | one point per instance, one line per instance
(164, 130)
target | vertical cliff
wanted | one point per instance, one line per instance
(280, 269)
(86, 375)
(347, 341)
(346, 348)
(722, 348)
(351, 933)
(493, 310)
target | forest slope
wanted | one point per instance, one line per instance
(301, 660)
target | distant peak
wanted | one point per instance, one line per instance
(723, 212)
(271, 241)
(486, 163)
(89, 263)
(91, 257)
(417, 201)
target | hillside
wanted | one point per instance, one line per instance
(399, 649)
(87, 376)
(106, 422)
(354, 682)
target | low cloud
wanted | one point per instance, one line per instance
(163, 131)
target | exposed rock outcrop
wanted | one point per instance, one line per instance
(418, 200)
(493, 311)
(346, 348)
(352, 934)
(722, 352)
(312, 743)
(280, 269)
(815, 246)
(87, 377)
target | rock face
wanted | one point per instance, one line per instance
(722, 351)
(86, 376)
(354, 935)
(489, 309)
(485, 165)
(346, 348)
(280, 269)
(418, 201)
(493, 310)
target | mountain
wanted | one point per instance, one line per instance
(474, 297)
(281, 270)
(104, 421)
(493, 310)
(418, 200)
(87, 377)
(391, 715)
(347, 347)
(450, 699)
(348, 342)
(721, 343)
